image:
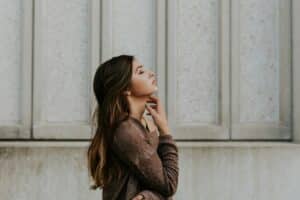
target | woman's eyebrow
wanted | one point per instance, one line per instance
(138, 68)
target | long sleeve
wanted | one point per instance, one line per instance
(157, 169)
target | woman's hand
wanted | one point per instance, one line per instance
(158, 114)
(138, 197)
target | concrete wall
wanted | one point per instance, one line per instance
(208, 172)
(227, 62)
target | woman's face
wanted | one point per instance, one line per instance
(143, 81)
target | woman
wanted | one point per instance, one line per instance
(130, 157)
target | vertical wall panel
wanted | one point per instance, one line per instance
(136, 27)
(296, 71)
(129, 28)
(198, 70)
(63, 50)
(11, 14)
(15, 68)
(259, 60)
(261, 78)
(197, 66)
(160, 50)
(133, 29)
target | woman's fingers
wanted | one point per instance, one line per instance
(157, 113)
(151, 110)
(148, 113)
(156, 100)
(153, 106)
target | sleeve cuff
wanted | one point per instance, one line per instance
(165, 138)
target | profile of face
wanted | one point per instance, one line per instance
(143, 81)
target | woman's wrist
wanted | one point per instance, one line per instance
(164, 131)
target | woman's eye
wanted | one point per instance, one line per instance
(141, 72)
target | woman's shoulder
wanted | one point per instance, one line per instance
(128, 125)
(128, 134)
(130, 131)
(132, 124)
(124, 123)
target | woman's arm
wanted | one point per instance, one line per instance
(157, 169)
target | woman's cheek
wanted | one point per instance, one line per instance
(138, 87)
(143, 88)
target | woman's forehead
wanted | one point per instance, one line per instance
(136, 64)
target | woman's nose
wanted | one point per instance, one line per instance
(151, 73)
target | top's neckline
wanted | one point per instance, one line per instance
(141, 125)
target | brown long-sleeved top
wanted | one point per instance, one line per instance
(150, 163)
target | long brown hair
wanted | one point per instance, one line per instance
(111, 79)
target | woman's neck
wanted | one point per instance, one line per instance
(137, 106)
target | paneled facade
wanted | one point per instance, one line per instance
(223, 67)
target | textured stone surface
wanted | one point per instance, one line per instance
(64, 60)
(197, 61)
(259, 60)
(239, 173)
(134, 30)
(227, 173)
(10, 60)
(44, 173)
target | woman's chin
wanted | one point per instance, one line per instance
(155, 88)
